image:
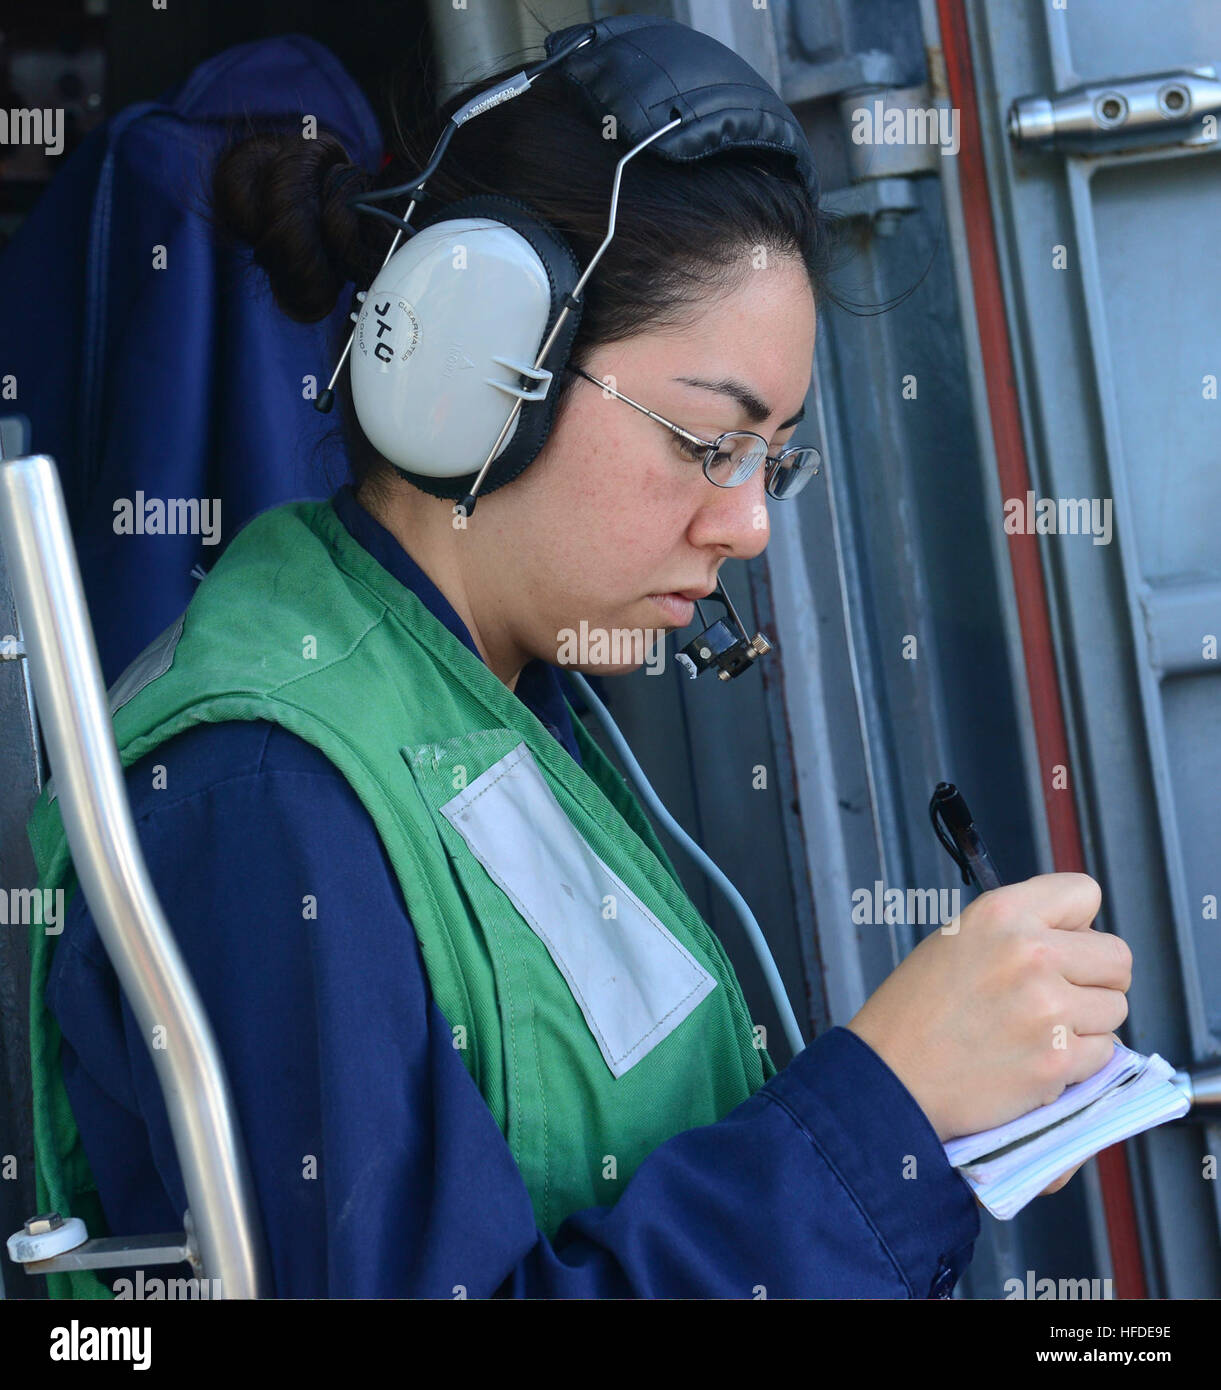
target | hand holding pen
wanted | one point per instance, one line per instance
(956, 829)
(997, 1012)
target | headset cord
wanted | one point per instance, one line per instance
(763, 955)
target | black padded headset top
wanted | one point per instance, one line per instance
(642, 70)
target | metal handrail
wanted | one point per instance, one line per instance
(75, 716)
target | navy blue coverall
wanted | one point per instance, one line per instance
(378, 1168)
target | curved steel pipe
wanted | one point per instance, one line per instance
(73, 708)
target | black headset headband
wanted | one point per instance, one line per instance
(643, 70)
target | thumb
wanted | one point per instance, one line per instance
(1067, 901)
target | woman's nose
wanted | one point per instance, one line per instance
(735, 517)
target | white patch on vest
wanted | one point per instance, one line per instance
(155, 660)
(634, 982)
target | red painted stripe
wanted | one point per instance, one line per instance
(1037, 645)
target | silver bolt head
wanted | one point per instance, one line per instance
(40, 1225)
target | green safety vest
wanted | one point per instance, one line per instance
(595, 1010)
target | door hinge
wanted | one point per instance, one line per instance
(892, 134)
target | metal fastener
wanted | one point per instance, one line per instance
(40, 1225)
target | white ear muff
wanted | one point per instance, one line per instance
(450, 324)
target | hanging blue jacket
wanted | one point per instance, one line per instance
(177, 382)
(829, 1181)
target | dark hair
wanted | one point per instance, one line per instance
(681, 229)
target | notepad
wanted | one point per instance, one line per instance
(1010, 1165)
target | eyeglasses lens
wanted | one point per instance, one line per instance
(793, 472)
(738, 455)
(736, 458)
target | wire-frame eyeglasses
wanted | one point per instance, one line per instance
(731, 458)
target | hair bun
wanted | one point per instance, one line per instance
(337, 177)
(286, 197)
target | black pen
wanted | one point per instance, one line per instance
(963, 843)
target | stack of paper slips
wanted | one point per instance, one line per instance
(1011, 1164)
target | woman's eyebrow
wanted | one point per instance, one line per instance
(756, 410)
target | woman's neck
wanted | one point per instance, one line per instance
(421, 525)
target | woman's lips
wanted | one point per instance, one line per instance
(682, 610)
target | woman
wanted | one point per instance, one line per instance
(435, 1099)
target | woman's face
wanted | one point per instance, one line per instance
(612, 511)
